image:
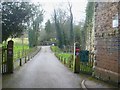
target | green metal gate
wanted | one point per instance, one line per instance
(86, 62)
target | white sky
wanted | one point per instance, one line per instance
(78, 8)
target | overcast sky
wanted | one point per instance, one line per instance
(78, 8)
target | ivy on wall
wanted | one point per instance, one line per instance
(88, 25)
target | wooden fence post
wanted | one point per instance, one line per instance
(10, 65)
(20, 62)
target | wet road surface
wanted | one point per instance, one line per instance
(43, 71)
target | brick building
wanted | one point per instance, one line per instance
(107, 42)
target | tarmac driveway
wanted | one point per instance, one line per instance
(43, 71)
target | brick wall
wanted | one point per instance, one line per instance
(106, 42)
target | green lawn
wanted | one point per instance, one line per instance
(59, 52)
(0, 45)
(19, 47)
(64, 55)
(19, 40)
(55, 49)
(20, 50)
(84, 67)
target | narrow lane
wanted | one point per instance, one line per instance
(43, 71)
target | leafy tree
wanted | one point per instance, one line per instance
(34, 26)
(64, 25)
(48, 33)
(77, 33)
(0, 23)
(43, 35)
(61, 20)
(48, 26)
(14, 17)
(58, 29)
(48, 29)
(71, 24)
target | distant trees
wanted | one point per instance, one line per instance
(49, 31)
(65, 31)
(62, 27)
(35, 25)
(58, 22)
(43, 36)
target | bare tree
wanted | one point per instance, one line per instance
(58, 30)
(71, 23)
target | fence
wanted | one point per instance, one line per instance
(67, 61)
(85, 67)
(0, 57)
(4, 60)
(19, 58)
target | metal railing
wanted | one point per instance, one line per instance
(21, 57)
(85, 67)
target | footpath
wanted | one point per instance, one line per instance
(90, 83)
